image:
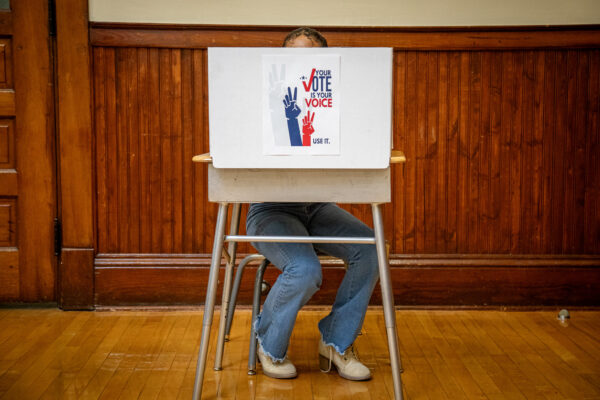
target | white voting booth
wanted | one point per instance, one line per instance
(297, 125)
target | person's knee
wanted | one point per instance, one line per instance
(312, 276)
(365, 258)
(306, 274)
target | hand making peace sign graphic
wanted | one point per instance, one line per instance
(307, 128)
(291, 113)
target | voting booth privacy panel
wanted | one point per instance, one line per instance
(311, 124)
(296, 125)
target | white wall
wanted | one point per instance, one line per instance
(349, 12)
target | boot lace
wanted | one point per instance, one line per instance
(351, 351)
(346, 356)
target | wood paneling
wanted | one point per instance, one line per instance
(6, 80)
(418, 38)
(9, 253)
(478, 143)
(144, 98)
(9, 273)
(75, 154)
(501, 145)
(8, 222)
(8, 182)
(6, 22)
(7, 102)
(7, 144)
(33, 112)
(520, 156)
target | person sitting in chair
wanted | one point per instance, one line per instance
(301, 273)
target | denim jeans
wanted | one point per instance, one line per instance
(301, 272)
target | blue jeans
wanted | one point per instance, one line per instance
(301, 272)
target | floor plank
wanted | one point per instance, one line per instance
(50, 354)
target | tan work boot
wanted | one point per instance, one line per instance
(275, 369)
(348, 365)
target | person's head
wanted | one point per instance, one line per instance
(304, 37)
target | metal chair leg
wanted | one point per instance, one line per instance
(232, 249)
(236, 288)
(255, 311)
(211, 294)
(388, 302)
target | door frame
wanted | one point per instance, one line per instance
(76, 185)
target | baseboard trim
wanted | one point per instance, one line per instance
(497, 281)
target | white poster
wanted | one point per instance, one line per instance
(301, 104)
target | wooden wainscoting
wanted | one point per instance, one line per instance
(500, 127)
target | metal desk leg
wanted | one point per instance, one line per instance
(388, 301)
(211, 294)
(233, 230)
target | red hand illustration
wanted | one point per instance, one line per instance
(307, 128)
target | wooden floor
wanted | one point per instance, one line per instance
(50, 354)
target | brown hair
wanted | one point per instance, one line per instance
(310, 33)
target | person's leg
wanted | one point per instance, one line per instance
(341, 327)
(299, 280)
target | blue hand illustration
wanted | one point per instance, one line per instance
(289, 102)
(291, 112)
